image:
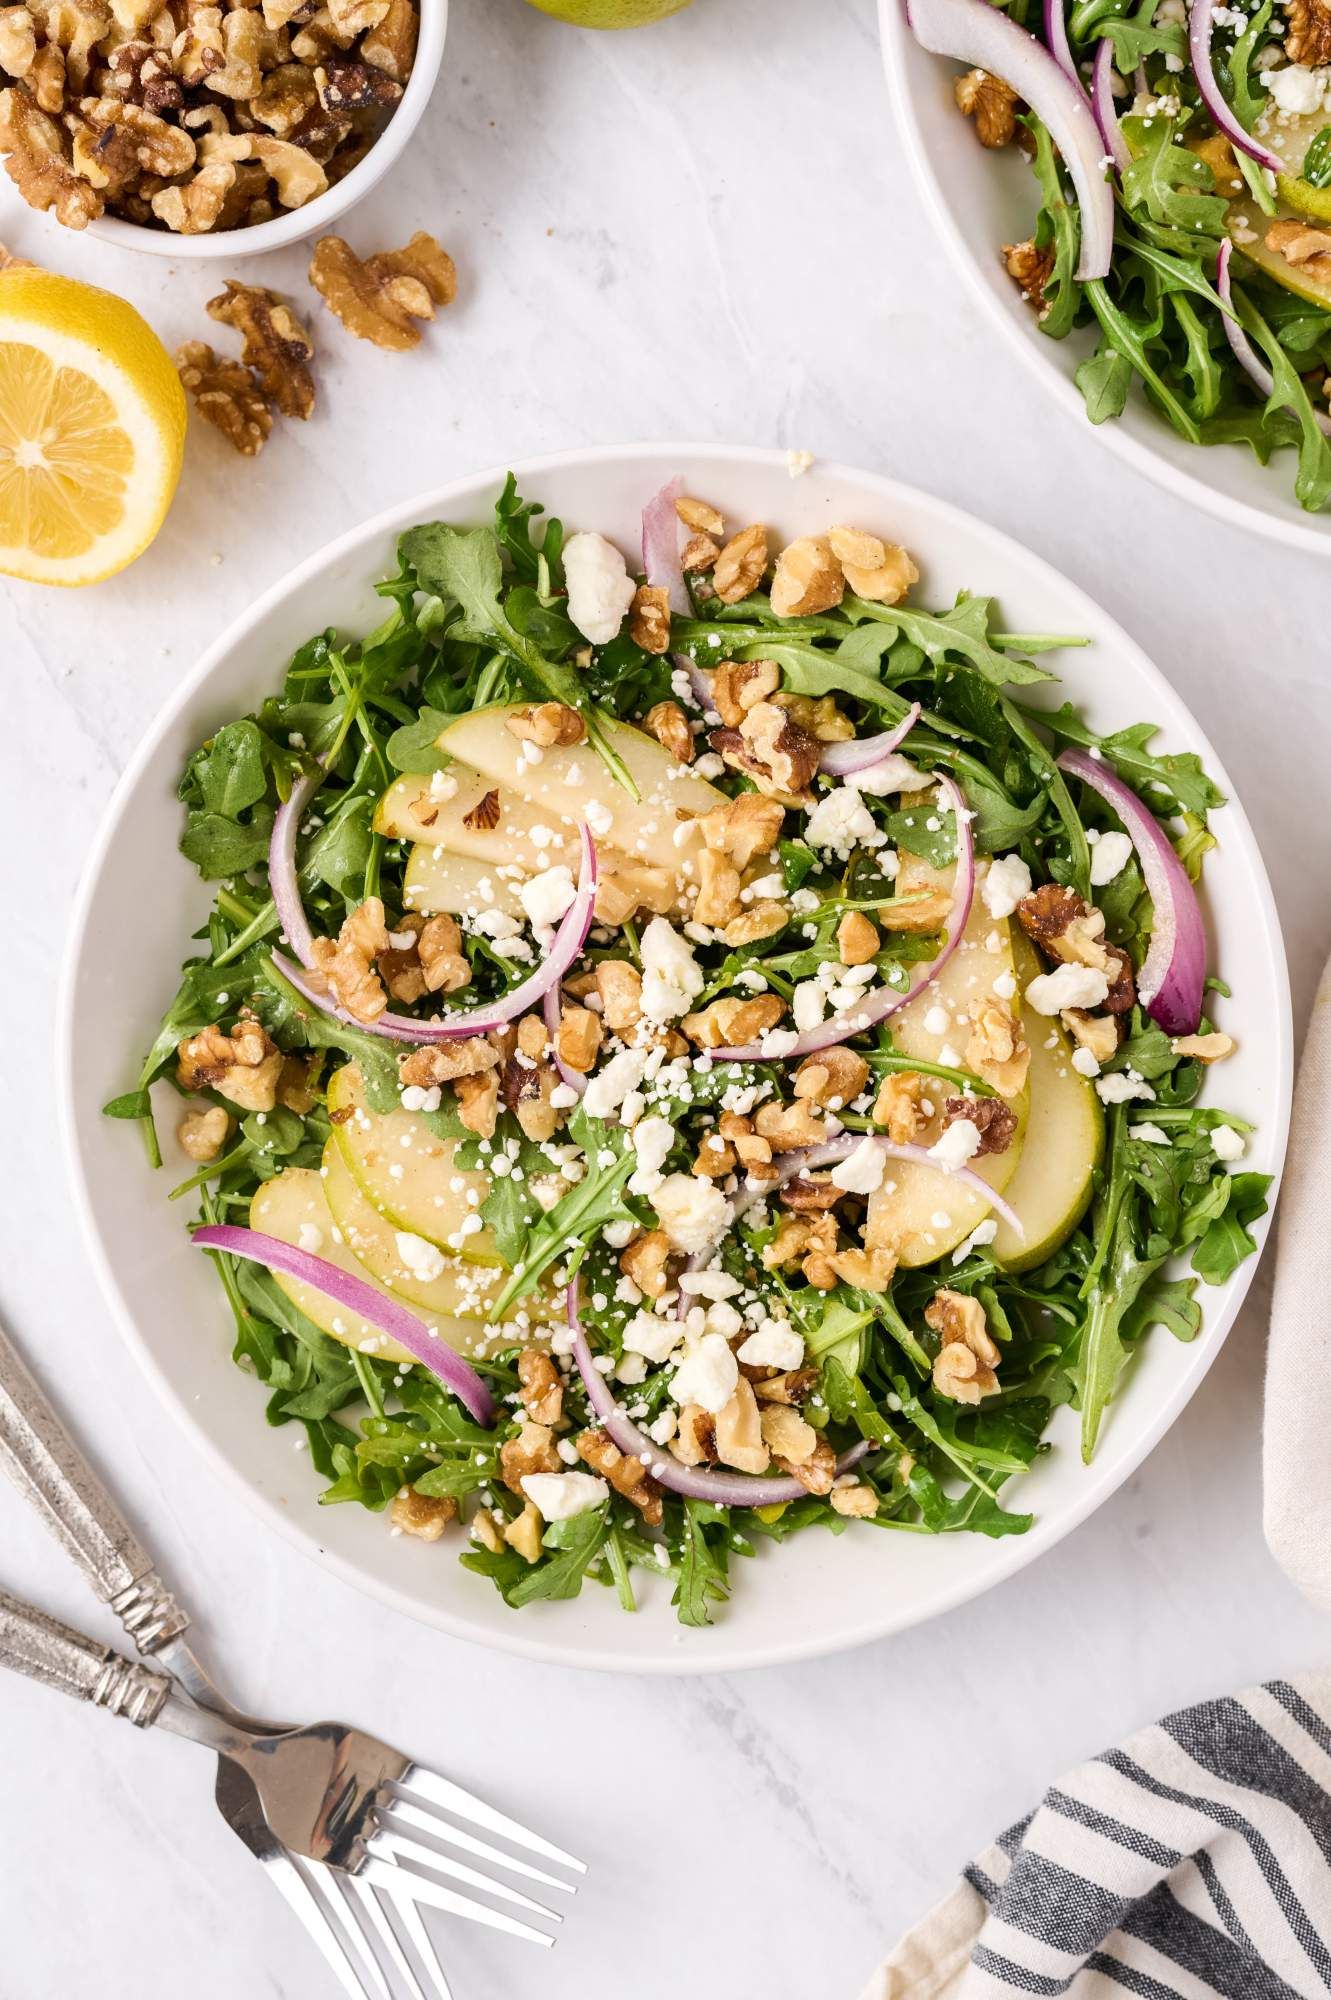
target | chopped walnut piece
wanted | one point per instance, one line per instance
(424, 1515)
(619, 986)
(32, 143)
(1072, 931)
(484, 815)
(578, 1039)
(967, 1358)
(774, 751)
(1309, 38)
(793, 1386)
(733, 1023)
(699, 552)
(743, 828)
(478, 1103)
(740, 565)
(346, 968)
(787, 1435)
(739, 1432)
(18, 41)
(807, 579)
(856, 1501)
(192, 210)
(718, 889)
(381, 297)
(225, 396)
(47, 82)
(833, 1077)
(880, 571)
(789, 1126)
(857, 940)
(698, 515)
(667, 722)
(1203, 1048)
(649, 618)
(795, 1236)
(524, 1532)
(550, 722)
(625, 887)
(424, 957)
(285, 99)
(242, 1067)
(527, 1089)
(991, 103)
(445, 1062)
(1097, 1033)
(625, 1472)
(760, 920)
(1030, 270)
(644, 1261)
(816, 1474)
(694, 1442)
(900, 1106)
(275, 344)
(996, 1048)
(993, 1120)
(716, 1158)
(293, 1084)
(541, 1385)
(532, 1450)
(344, 85)
(753, 1153)
(75, 27)
(350, 18)
(869, 1270)
(391, 44)
(738, 686)
(202, 1134)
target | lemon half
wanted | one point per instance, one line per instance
(92, 427)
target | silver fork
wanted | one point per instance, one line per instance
(362, 1805)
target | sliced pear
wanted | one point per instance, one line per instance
(925, 1212)
(292, 1207)
(1064, 1140)
(1248, 226)
(567, 779)
(436, 881)
(407, 1173)
(508, 842)
(1313, 203)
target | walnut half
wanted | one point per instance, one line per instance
(380, 298)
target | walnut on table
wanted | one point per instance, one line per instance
(225, 395)
(380, 298)
(275, 344)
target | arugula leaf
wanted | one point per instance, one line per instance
(230, 770)
(220, 847)
(573, 1545)
(1229, 1239)
(414, 747)
(704, 1572)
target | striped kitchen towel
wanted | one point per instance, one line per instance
(1193, 1861)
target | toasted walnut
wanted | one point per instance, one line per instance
(524, 1532)
(192, 210)
(625, 887)
(739, 1432)
(294, 1081)
(533, 1037)
(856, 1501)
(346, 85)
(47, 81)
(532, 1450)
(821, 718)
(391, 44)
(793, 1386)
(753, 1153)
(445, 1062)
(626, 1473)
(716, 1158)
(869, 1270)
(699, 552)
(350, 18)
(740, 565)
(424, 1515)
(816, 1474)
(856, 939)
(550, 722)
(732, 1023)
(991, 103)
(541, 1385)
(478, 1103)
(761, 920)
(276, 345)
(1097, 1033)
(346, 968)
(667, 722)
(787, 1435)
(527, 1089)
(578, 1039)
(996, 1048)
(1030, 270)
(32, 144)
(698, 515)
(1203, 1048)
(1072, 931)
(225, 395)
(242, 1067)
(198, 51)
(649, 618)
(202, 1134)
(994, 1120)
(789, 1126)
(18, 41)
(874, 569)
(293, 169)
(424, 957)
(286, 98)
(796, 1235)
(833, 1077)
(773, 750)
(644, 1261)
(744, 828)
(75, 27)
(964, 1366)
(900, 1106)
(718, 889)
(619, 985)
(739, 685)
(1309, 38)
(381, 297)
(807, 579)
(486, 1528)
(694, 1442)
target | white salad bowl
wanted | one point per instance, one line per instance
(140, 902)
(981, 200)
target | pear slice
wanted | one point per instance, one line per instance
(1064, 1140)
(504, 835)
(436, 882)
(1248, 226)
(292, 1207)
(405, 1171)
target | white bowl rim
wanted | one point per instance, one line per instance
(1013, 1553)
(295, 224)
(1191, 488)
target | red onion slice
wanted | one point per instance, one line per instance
(661, 566)
(282, 880)
(1172, 980)
(1056, 35)
(1242, 348)
(692, 1482)
(569, 940)
(843, 760)
(359, 1297)
(973, 31)
(1102, 104)
(1201, 23)
(880, 1006)
(814, 1157)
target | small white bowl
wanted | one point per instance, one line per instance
(140, 902)
(981, 200)
(316, 217)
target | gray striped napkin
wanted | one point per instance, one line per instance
(1194, 1861)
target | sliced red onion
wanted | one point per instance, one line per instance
(881, 1005)
(551, 1009)
(661, 566)
(692, 1482)
(973, 31)
(1102, 104)
(282, 865)
(1242, 348)
(843, 760)
(1173, 975)
(569, 940)
(814, 1157)
(359, 1297)
(1056, 35)
(1201, 24)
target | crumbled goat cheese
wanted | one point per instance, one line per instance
(960, 1142)
(598, 817)
(310, 1238)
(419, 1097)
(557, 1495)
(937, 1021)
(443, 786)
(775, 1345)
(1067, 986)
(1227, 1144)
(546, 897)
(798, 463)
(1008, 880)
(707, 1375)
(1296, 89)
(1122, 1087)
(693, 1212)
(983, 1232)
(1109, 857)
(611, 1085)
(1084, 1063)
(424, 1260)
(808, 1004)
(842, 822)
(652, 1139)
(671, 976)
(861, 1172)
(893, 773)
(652, 1335)
(1150, 1135)
(600, 589)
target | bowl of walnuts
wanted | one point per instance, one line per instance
(187, 128)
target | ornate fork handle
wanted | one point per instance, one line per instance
(58, 1657)
(46, 1465)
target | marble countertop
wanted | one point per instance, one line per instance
(701, 230)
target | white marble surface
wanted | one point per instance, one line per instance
(700, 230)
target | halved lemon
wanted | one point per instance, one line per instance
(92, 427)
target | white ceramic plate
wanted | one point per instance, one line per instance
(139, 903)
(981, 200)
